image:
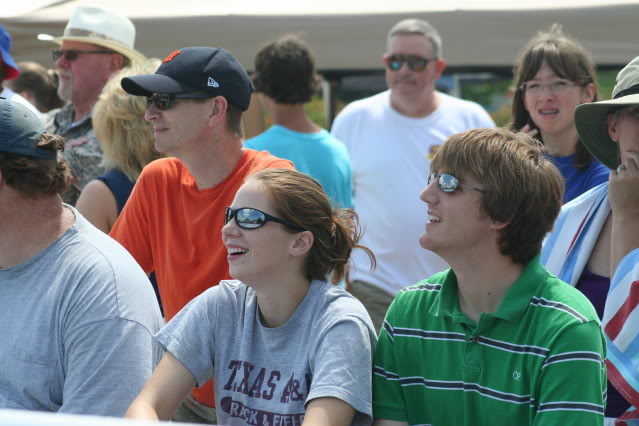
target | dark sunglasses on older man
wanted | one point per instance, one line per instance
(72, 55)
(250, 218)
(164, 101)
(414, 62)
(449, 183)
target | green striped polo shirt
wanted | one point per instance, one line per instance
(539, 359)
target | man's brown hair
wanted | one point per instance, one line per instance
(35, 177)
(522, 187)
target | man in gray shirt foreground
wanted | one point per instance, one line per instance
(78, 314)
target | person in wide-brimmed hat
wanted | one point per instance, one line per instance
(595, 244)
(96, 43)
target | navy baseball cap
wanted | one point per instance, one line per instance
(20, 131)
(201, 71)
(5, 51)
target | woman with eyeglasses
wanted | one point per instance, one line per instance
(553, 74)
(282, 345)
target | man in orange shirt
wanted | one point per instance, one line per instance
(172, 222)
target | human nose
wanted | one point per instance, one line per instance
(152, 112)
(546, 89)
(62, 62)
(230, 228)
(429, 193)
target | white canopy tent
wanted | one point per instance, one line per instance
(345, 35)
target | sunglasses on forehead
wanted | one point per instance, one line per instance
(164, 101)
(414, 62)
(250, 218)
(449, 183)
(72, 55)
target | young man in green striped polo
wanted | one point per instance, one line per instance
(496, 339)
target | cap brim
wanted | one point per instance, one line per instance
(591, 121)
(146, 85)
(9, 63)
(132, 54)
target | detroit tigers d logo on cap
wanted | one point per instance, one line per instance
(171, 55)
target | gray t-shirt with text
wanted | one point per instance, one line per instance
(266, 376)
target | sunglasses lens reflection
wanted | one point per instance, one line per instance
(249, 218)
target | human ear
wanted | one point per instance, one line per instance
(220, 105)
(117, 62)
(613, 127)
(588, 93)
(498, 226)
(440, 66)
(302, 243)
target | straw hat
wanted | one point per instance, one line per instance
(592, 119)
(100, 26)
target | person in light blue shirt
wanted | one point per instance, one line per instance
(285, 79)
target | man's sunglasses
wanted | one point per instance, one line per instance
(164, 101)
(449, 183)
(414, 62)
(72, 55)
(250, 218)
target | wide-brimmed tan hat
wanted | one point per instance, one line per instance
(100, 26)
(592, 119)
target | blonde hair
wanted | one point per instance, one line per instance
(118, 120)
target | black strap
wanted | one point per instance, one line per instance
(633, 90)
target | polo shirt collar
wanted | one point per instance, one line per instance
(513, 305)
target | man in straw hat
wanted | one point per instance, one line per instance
(96, 43)
(595, 244)
(78, 314)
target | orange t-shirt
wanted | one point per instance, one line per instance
(171, 227)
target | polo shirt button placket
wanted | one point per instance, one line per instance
(472, 358)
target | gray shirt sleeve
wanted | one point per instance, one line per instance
(343, 367)
(189, 336)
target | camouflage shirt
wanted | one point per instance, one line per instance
(81, 149)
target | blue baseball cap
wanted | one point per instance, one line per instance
(20, 131)
(5, 50)
(202, 71)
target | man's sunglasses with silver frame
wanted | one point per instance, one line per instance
(449, 183)
(250, 218)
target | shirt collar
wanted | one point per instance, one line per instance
(512, 306)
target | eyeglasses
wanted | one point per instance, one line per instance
(250, 218)
(164, 101)
(449, 183)
(72, 55)
(555, 87)
(414, 62)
